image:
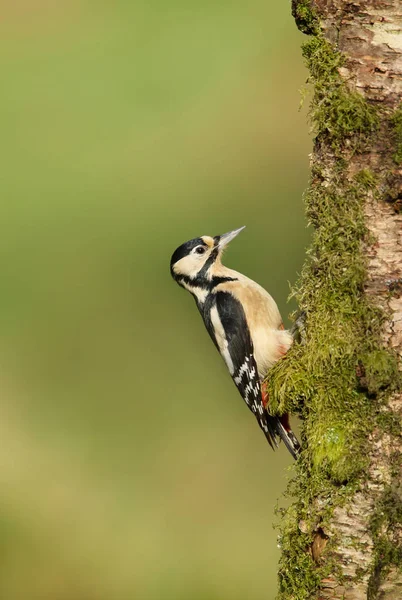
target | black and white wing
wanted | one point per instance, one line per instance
(228, 325)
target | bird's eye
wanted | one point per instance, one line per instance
(200, 250)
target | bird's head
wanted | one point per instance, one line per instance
(198, 258)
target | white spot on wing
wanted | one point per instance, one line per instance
(243, 369)
(248, 383)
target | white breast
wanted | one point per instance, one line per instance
(269, 346)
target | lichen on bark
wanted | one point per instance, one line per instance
(341, 537)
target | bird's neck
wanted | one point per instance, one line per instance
(205, 281)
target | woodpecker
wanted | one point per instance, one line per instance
(244, 323)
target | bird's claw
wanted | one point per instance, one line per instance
(298, 330)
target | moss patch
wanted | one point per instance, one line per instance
(384, 522)
(396, 122)
(331, 379)
(335, 112)
(366, 179)
(304, 16)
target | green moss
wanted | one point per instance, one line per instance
(319, 379)
(390, 423)
(299, 574)
(305, 17)
(298, 581)
(336, 112)
(366, 178)
(331, 378)
(386, 518)
(396, 122)
(380, 370)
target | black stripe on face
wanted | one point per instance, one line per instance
(208, 264)
(211, 259)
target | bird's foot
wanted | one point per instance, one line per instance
(298, 330)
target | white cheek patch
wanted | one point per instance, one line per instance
(221, 339)
(188, 266)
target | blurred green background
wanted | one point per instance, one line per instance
(129, 466)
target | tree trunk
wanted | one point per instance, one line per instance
(342, 536)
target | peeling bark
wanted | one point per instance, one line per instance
(369, 35)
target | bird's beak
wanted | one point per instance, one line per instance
(223, 240)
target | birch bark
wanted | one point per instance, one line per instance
(360, 544)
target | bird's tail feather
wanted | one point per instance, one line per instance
(270, 431)
(277, 429)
